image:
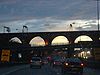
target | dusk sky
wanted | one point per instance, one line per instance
(48, 15)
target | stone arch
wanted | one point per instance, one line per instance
(60, 40)
(37, 41)
(83, 38)
(15, 39)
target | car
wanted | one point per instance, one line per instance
(36, 62)
(73, 66)
(44, 61)
(57, 62)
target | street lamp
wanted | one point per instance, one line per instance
(25, 27)
(7, 29)
(98, 13)
(70, 28)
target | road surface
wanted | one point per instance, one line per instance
(45, 70)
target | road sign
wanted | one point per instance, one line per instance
(5, 56)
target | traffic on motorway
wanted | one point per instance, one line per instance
(50, 65)
(70, 65)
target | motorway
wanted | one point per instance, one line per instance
(45, 70)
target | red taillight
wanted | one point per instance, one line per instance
(82, 64)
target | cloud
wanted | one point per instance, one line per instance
(8, 1)
(47, 15)
(50, 24)
(32, 9)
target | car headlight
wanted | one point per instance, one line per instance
(66, 64)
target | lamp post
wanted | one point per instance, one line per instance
(98, 13)
(25, 27)
(7, 29)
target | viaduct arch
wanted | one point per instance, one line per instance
(48, 36)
